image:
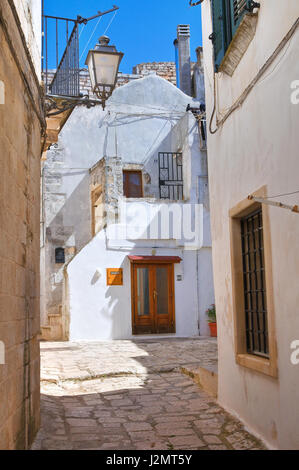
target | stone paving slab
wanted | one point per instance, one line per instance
(86, 360)
(134, 404)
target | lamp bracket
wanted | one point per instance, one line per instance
(81, 20)
(103, 92)
(55, 105)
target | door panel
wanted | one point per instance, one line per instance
(153, 299)
(164, 311)
(143, 304)
(162, 290)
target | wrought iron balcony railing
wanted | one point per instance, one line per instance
(62, 34)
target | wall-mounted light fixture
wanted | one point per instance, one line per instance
(103, 64)
(63, 93)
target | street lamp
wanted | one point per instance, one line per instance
(103, 63)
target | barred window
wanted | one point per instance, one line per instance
(171, 176)
(59, 255)
(254, 284)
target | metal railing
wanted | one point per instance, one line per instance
(66, 80)
(171, 176)
(63, 34)
(255, 297)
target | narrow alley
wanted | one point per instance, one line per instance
(149, 236)
(126, 395)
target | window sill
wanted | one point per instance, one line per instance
(259, 364)
(239, 44)
(152, 199)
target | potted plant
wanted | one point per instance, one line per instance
(211, 314)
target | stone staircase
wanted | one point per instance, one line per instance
(54, 330)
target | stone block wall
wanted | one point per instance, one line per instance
(166, 70)
(20, 149)
(85, 85)
(58, 232)
(98, 193)
(107, 177)
(114, 187)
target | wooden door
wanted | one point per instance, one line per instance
(153, 298)
(164, 298)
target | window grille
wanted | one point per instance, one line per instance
(254, 284)
(171, 176)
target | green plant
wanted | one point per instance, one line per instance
(211, 314)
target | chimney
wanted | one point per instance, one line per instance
(198, 77)
(183, 38)
(177, 67)
(199, 56)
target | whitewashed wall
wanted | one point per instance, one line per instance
(258, 145)
(142, 118)
(98, 311)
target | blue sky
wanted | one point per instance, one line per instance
(143, 30)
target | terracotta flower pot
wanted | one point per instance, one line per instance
(213, 329)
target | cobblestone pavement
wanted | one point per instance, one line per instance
(125, 395)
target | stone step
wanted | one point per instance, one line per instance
(45, 333)
(54, 319)
(52, 333)
(205, 376)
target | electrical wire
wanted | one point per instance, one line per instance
(156, 108)
(213, 131)
(155, 141)
(150, 114)
(281, 195)
(254, 82)
(278, 63)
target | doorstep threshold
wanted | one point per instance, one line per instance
(162, 336)
(155, 336)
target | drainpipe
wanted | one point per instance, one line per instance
(177, 66)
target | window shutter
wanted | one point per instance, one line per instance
(238, 10)
(218, 36)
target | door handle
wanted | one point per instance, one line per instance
(155, 294)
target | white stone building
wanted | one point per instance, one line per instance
(252, 109)
(128, 164)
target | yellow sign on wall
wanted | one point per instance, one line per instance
(114, 277)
